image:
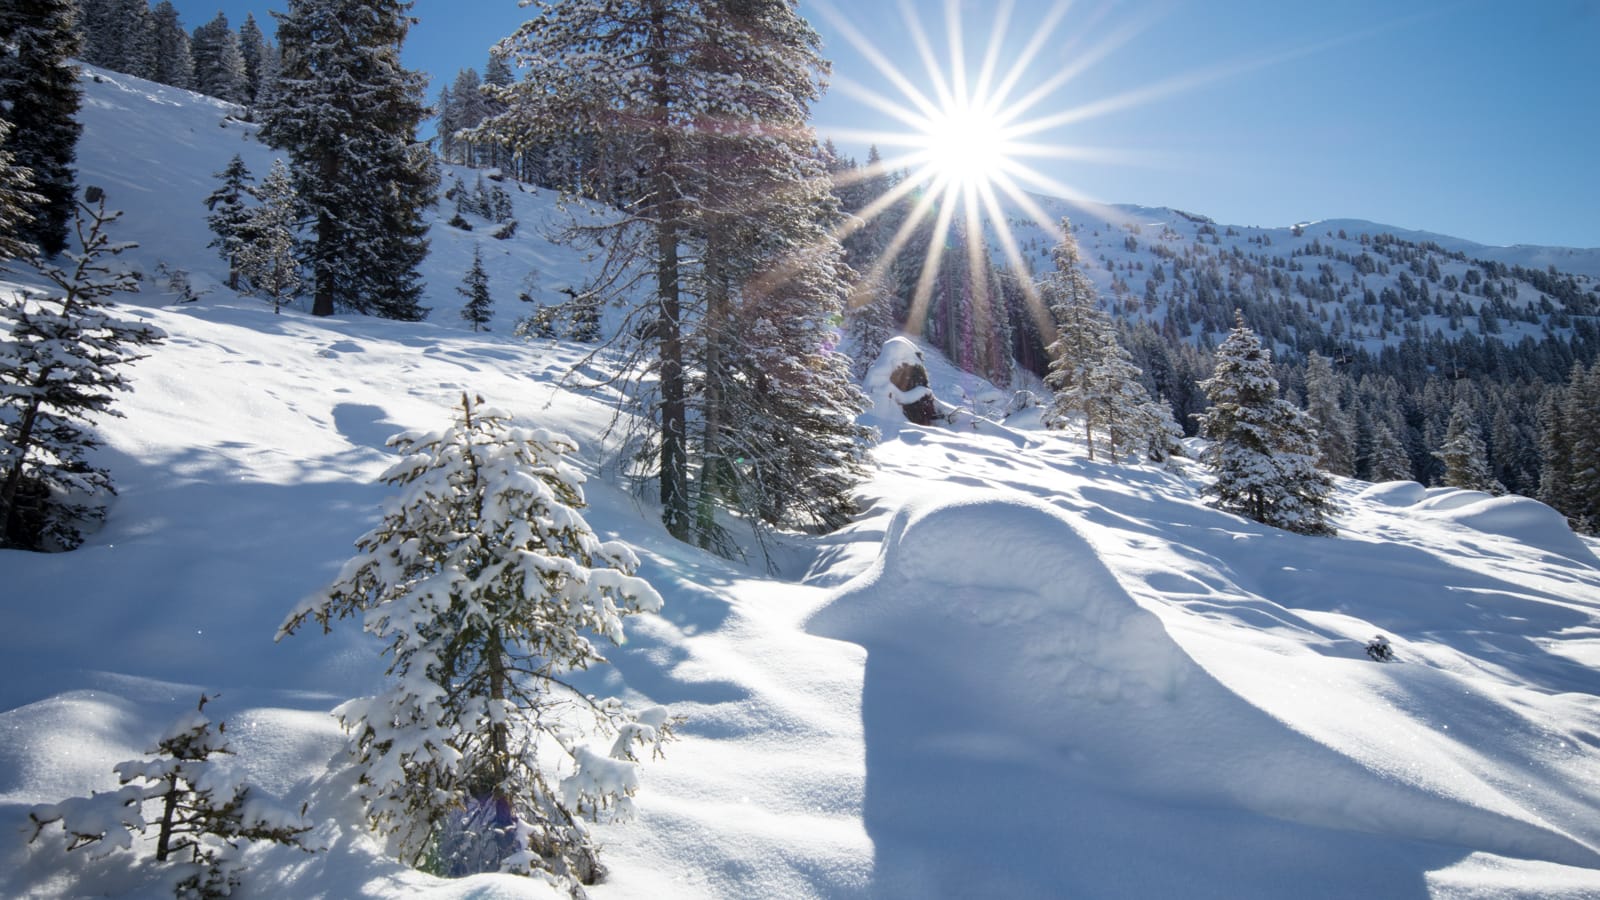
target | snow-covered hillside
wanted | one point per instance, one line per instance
(1350, 283)
(1019, 674)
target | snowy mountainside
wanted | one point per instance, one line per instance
(1351, 282)
(1018, 673)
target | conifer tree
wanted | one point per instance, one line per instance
(1263, 448)
(1337, 434)
(346, 112)
(231, 216)
(267, 260)
(1092, 374)
(475, 287)
(60, 365)
(219, 69)
(1389, 460)
(487, 587)
(203, 812)
(661, 81)
(173, 55)
(1581, 413)
(39, 96)
(1464, 454)
(17, 199)
(253, 51)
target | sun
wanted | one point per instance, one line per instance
(966, 145)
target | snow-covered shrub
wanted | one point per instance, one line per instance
(202, 813)
(486, 584)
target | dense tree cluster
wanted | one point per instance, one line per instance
(129, 36)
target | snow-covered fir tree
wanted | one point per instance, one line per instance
(1092, 374)
(219, 69)
(1335, 430)
(599, 74)
(1464, 455)
(1263, 448)
(777, 442)
(198, 813)
(60, 364)
(174, 57)
(267, 260)
(1580, 411)
(39, 96)
(231, 216)
(253, 50)
(479, 308)
(487, 588)
(17, 201)
(347, 111)
(1389, 461)
(117, 35)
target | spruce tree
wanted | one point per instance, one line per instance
(17, 199)
(487, 588)
(202, 812)
(1464, 454)
(1337, 434)
(219, 69)
(253, 51)
(478, 310)
(627, 73)
(39, 96)
(1092, 374)
(346, 111)
(1581, 412)
(231, 216)
(1263, 448)
(267, 259)
(60, 365)
(174, 57)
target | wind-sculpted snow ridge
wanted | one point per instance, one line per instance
(1062, 700)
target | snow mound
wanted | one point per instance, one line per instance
(1395, 493)
(1015, 578)
(1521, 519)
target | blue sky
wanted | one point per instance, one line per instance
(1475, 119)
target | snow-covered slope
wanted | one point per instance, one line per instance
(1019, 674)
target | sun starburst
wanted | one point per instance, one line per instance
(964, 143)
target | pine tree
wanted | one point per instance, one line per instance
(267, 260)
(1263, 448)
(1337, 434)
(231, 217)
(1092, 374)
(39, 96)
(1464, 455)
(117, 35)
(641, 74)
(475, 287)
(60, 365)
(346, 112)
(1581, 412)
(204, 811)
(488, 587)
(219, 69)
(17, 199)
(253, 50)
(174, 57)
(1389, 459)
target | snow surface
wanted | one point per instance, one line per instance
(1019, 674)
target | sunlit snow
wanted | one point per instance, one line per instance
(1018, 674)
